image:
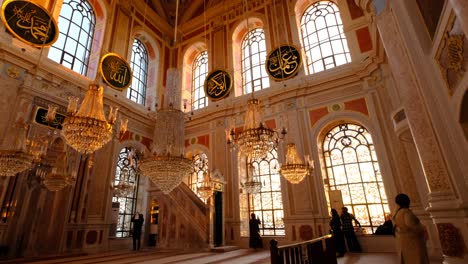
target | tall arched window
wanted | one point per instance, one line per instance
(199, 72)
(322, 34)
(73, 46)
(268, 203)
(254, 75)
(126, 171)
(200, 167)
(352, 168)
(139, 64)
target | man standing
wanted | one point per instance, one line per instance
(137, 221)
(348, 230)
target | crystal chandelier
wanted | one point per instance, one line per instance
(255, 140)
(167, 166)
(124, 188)
(294, 169)
(252, 185)
(205, 188)
(58, 177)
(15, 159)
(86, 129)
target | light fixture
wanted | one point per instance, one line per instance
(14, 158)
(252, 185)
(294, 169)
(86, 129)
(255, 140)
(124, 188)
(59, 176)
(167, 166)
(205, 188)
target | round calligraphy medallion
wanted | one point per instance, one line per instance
(115, 71)
(29, 22)
(218, 84)
(283, 63)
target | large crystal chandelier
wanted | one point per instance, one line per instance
(14, 158)
(294, 169)
(205, 188)
(86, 129)
(252, 185)
(58, 176)
(167, 166)
(255, 140)
(123, 188)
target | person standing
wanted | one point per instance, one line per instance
(409, 233)
(348, 230)
(338, 237)
(255, 240)
(137, 220)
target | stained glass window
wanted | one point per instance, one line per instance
(323, 38)
(254, 75)
(352, 167)
(126, 171)
(199, 72)
(73, 46)
(139, 64)
(268, 203)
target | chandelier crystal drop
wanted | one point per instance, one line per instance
(255, 140)
(167, 166)
(15, 158)
(87, 129)
(294, 169)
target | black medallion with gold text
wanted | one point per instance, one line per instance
(30, 22)
(283, 63)
(218, 84)
(115, 71)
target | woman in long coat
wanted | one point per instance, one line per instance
(410, 234)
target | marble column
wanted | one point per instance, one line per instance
(446, 212)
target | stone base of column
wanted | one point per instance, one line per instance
(451, 218)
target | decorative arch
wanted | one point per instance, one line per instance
(240, 30)
(190, 54)
(154, 57)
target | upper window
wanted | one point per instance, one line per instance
(254, 76)
(325, 44)
(199, 72)
(268, 203)
(352, 168)
(73, 46)
(127, 172)
(139, 64)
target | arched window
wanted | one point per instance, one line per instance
(352, 168)
(324, 42)
(268, 203)
(254, 75)
(139, 64)
(199, 72)
(126, 171)
(73, 46)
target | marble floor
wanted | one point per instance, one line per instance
(240, 256)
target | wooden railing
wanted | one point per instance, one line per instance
(316, 251)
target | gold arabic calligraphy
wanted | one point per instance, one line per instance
(216, 85)
(32, 24)
(118, 72)
(283, 63)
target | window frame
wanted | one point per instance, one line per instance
(254, 75)
(200, 66)
(139, 72)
